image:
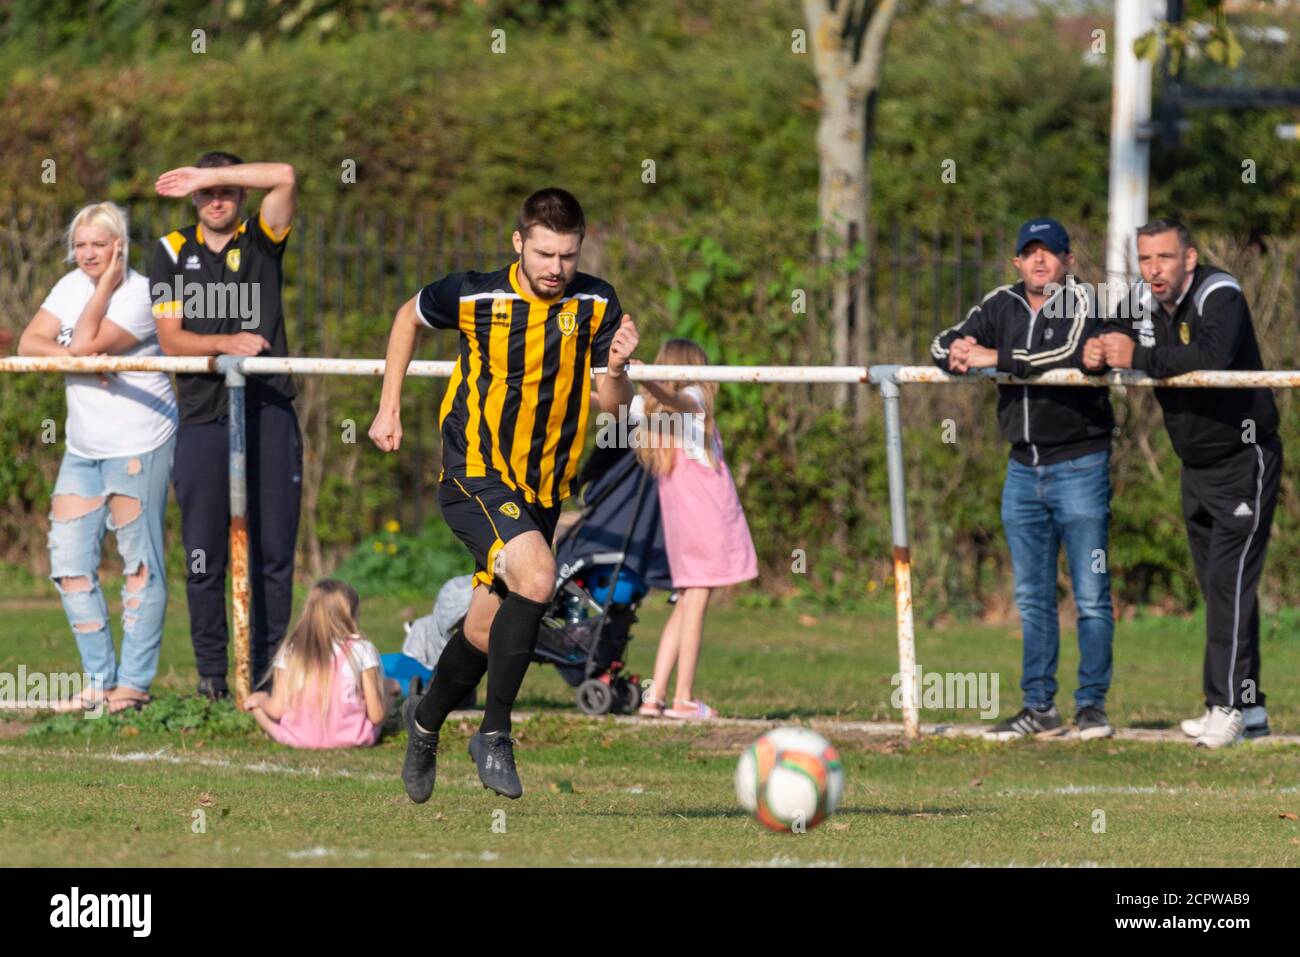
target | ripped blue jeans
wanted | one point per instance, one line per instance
(75, 546)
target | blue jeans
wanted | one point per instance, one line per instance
(75, 551)
(1043, 508)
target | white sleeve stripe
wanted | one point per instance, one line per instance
(939, 351)
(1072, 340)
(420, 312)
(1220, 282)
(168, 246)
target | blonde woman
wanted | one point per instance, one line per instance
(117, 460)
(705, 532)
(329, 690)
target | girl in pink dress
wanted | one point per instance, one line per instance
(330, 690)
(705, 532)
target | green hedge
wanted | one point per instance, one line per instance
(713, 249)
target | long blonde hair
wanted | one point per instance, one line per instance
(328, 618)
(653, 452)
(107, 216)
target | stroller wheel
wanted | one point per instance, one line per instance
(627, 696)
(594, 697)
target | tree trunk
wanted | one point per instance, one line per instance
(848, 39)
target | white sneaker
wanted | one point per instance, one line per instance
(1223, 726)
(1195, 727)
(1254, 719)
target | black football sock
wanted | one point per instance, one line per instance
(460, 669)
(510, 648)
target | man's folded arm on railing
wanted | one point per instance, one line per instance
(952, 349)
(176, 341)
(1218, 336)
(168, 313)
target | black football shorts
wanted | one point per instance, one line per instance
(485, 513)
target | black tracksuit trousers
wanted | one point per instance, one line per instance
(1228, 508)
(202, 481)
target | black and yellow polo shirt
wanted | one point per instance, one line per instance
(516, 405)
(223, 293)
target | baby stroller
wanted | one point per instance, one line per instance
(605, 564)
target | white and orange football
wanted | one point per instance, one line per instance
(790, 779)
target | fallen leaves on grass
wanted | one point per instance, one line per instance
(205, 800)
(1288, 816)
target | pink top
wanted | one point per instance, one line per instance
(705, 532)
(345, 724)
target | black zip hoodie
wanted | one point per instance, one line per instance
(1044, 424)
(1210, 329)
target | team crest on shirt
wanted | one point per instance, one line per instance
(510, 510)
(568, 319)
(232, 260)
(1184, 332)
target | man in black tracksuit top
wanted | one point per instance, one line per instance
(1193, 316)
(216, 289)
(1057, 491)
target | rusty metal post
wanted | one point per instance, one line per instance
(239, 587)
(889, 391)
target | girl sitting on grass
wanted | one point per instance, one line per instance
(329, 689)
(705, 532)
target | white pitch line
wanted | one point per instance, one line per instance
(488, 857)
(163, 755)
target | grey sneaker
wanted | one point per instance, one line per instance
(1028, 723)
(1091, 722)
(494, 754)
(420, 769)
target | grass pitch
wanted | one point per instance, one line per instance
(192, 787)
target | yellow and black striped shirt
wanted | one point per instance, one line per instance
(516, 405)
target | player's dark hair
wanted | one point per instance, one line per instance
(1158, 226)
(554, 208)
(218, 158)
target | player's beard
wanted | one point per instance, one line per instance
(536, 285)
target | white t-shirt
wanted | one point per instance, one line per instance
(364, 654)
(136, 412)
(684, 429)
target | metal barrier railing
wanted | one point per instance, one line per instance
(888, 378)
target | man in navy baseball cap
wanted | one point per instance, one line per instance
(1045, 230)
(1057, 491)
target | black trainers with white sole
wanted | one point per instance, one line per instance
(1090, 721)
(1028, 723)
(420, 769)
(494, 755)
